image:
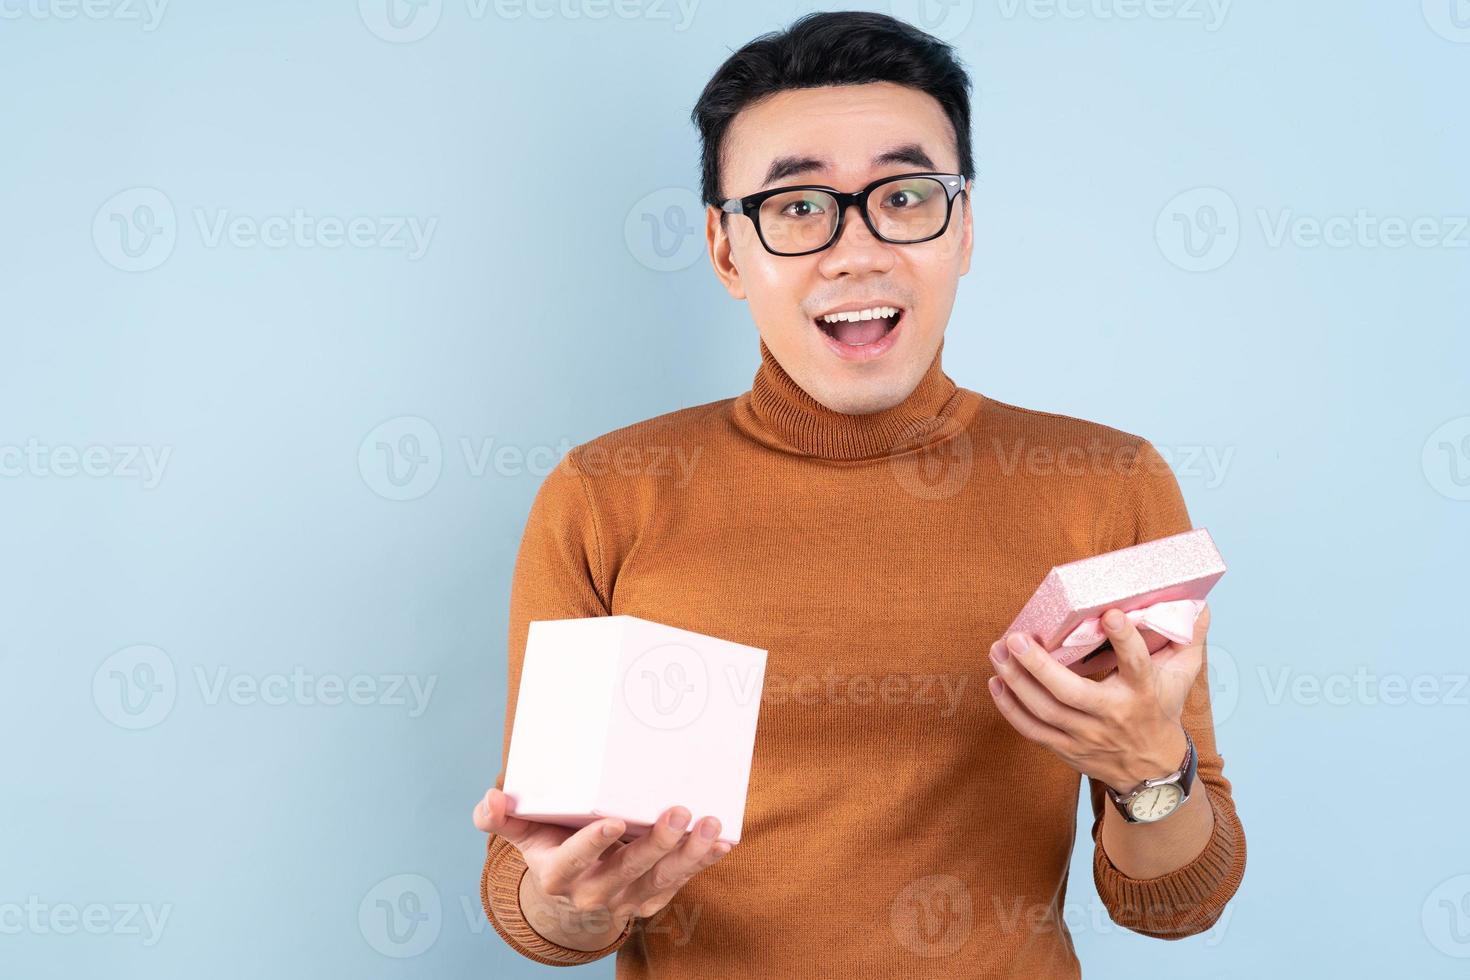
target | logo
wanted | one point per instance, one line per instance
(933, 916)
(1450, 19)
(667, 687)
(1446, 458)
(934, 471)
(945, 19)
(135, 230)
(400, 21)
(1199, 230)
(402, 458)
(663, 230)
(135, 688)
(401, 916)
(1446, 917)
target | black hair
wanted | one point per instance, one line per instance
(831, 48)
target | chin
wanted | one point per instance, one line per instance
(864, 390)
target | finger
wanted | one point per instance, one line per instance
(1202, 624)
(578, 855)
(1063, 683)
(1030, 692)
(490, 817)
(633, 861)
(1175, 670)
(1134, 665)
(1196, 643)
(1024, 721)
(699, 850)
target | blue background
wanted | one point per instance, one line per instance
(1110, 280)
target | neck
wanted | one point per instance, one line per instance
(783, 409)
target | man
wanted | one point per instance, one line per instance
(874, 527)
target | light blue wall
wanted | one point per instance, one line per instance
(195, 500)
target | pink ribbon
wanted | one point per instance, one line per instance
(1174, 619)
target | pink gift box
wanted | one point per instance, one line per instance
(1161, 585)
(622, 717)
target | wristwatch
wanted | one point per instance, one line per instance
(1155, 799)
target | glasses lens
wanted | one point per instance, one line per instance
(798, 221)
(909, 209)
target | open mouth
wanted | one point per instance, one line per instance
(860, 328)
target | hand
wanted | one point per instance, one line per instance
(1122, 729)
(581, 887)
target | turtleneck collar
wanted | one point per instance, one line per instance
(776, 406)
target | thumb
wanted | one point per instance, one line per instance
(1201, 626)
(491, 817)
(1195, 645)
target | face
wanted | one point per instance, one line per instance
(843, 137)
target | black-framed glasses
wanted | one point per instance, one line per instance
(904, 209)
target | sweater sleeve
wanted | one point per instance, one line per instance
(1188, 900)
(559, 574)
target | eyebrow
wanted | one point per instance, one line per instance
(794, 166)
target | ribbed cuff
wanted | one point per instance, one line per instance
(500, 895)
(1187, 900)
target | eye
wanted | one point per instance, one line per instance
(904, 198)
(803, 208)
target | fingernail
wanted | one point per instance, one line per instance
(708, 829)
(677, 820)
(1113, 620)
(1000, 654)
(1016, 642)
(611, 830)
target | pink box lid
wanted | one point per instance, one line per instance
(1180, 566)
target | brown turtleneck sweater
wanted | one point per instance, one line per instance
(896, 824)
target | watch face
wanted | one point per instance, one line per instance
(1156, 802)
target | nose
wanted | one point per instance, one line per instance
(856, 250)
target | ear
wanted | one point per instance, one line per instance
(967, 245)
(722, 252)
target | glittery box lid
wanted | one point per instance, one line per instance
(1181, 566)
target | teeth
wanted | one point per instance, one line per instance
(868, 314)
